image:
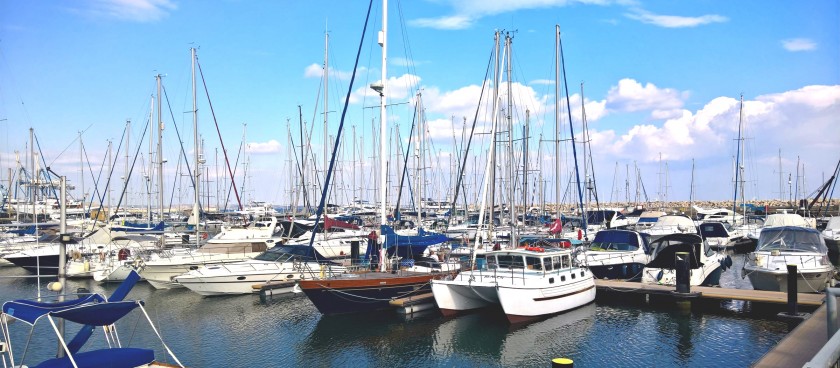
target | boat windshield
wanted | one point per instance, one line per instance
(284, 253)
(791, 240)
(615, 241)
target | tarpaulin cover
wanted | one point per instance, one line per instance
(29, 311)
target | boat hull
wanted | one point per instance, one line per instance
(460, 295)
(525, 303)
(366, 292)
(43, 265)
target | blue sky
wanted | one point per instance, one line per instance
(661, 78)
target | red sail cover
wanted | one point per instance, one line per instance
(330, 223)
(556, 227)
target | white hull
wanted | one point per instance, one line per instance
(459, 295)
(540, 298)
(161, 273)
(769, 272)
(239, 278)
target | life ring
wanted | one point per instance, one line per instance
(535, 249)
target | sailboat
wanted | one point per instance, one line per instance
(367, 291)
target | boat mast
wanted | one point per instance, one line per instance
(738, 160)
(81, 168)
(127, 149)
(557, 119)
(151, 160)
(196, 156)
(383, 132)
(326, 110)
(160, 149)
(511, 166)
(490, 168)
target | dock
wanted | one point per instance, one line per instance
(414, 303)
(800, 345)
(706, 292)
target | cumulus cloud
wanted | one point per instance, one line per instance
(631, 96)
(272, 146)
(131, 10)
(674, 21)
(799, 44)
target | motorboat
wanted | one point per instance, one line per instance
(705, 265)
(831, 235)
(671, 224)
(527, 283)
(717, 234)
(617, 255)
(790, 245)
(280, 263)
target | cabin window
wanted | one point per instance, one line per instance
(556, 262)
(508, 261)
(533, 263)
(566, 263)
(492, 263)
(548, 264)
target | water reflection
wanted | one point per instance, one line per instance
(617, 330)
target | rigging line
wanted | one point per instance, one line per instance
(308, 151)
(68, 146)
(219, 132)
(110, 174)
(572, 133)
(235, 169)
(46, 172)
(128, 175)
(176, 182)
(469, 141)
(181, 144)
(405, 166)
(340, 128)
(95, 179)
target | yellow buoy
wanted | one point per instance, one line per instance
(562, 362)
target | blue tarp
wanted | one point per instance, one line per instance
(112, 358)
(99, 314)
(620, 237)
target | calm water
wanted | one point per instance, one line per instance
(240, 331)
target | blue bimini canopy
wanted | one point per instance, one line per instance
(29, 311)
(100, 314)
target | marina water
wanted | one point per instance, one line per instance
(287, 331)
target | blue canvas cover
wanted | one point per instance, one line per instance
(99, 314)
(29, 311)
(620, 237)
(110, 358)
(407, 246)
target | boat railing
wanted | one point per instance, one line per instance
(829, 354)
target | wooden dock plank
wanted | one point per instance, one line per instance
(800, 345)
(414, 299)
(761, 296)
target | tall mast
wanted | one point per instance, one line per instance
(196, 154)
(781, 178)
(557, 119)
(127, 149)
(160, 148)
(108, 186)
(383, 121)
(151, 160)
(511, 170)
(326, 110)
(81, 168)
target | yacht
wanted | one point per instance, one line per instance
(705, 264)
(528, 283)
(280, 263)
(617, 255)
(784, 245)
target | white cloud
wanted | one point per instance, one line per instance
(799, 44)
(674, 21)
(272, 146)
(631, 96)
(131, 10)
(467, 12)
(451, 22)
(542, 82)
(398, 88)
